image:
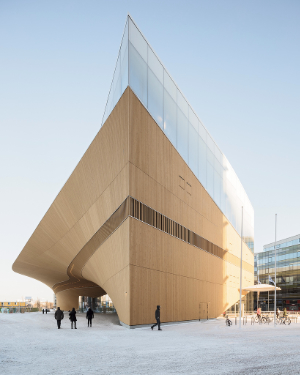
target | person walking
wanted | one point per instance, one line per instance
(90, 316)
(59, 315)
(43, 311)
(73, 319)
(46, 310)
(157, 317)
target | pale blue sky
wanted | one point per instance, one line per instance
(237, 63)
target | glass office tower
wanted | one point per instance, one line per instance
(288, 273)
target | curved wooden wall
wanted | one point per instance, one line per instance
(78, 249)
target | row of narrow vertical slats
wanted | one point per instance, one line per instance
(146, 214)
(138, 210)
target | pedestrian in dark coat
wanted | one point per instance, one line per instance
(43, 311)
(59, 315)
(90, 316)
(157, 317)
(46, 311)
(73, 319)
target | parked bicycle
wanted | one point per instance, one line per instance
(286, 320)
(260, 319)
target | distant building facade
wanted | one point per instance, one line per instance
(287, 275)
(12, 305)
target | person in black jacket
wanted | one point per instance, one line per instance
(90, 316)
(73, 319)
(59, 315)
(157, 317)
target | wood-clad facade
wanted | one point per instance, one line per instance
(133, 221)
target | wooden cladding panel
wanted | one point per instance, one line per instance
(167, 271)
(155, 168)
(109, 267)
(70, 297)
(111, 257)
(94, 190)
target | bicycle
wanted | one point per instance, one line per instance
(266, 319)
(260, 319)
(286, 320)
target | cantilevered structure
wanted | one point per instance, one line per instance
(151, 214)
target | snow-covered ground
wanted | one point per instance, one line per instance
(30, 343)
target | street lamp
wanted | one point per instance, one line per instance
(275, 272)
(241, 271)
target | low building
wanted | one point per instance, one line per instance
(287, 273)
(12, 305)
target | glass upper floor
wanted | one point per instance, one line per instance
(291, 241)
(139, 67)
(287, 255)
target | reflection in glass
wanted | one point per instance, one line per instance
(202, 161)
(182, 104)
(155, 98)
(138, 74)
(182, 135)
(170, 118)
(170, 86)
(155, 65)
(210, 179)
(138, 41)
(193, 150)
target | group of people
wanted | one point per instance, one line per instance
(258, 312)
(59, 315)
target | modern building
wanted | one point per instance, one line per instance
(287, 273)
(12, 306)
(151, 215)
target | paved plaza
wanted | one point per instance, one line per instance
(31, 344)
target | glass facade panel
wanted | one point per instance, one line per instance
(138, 41)
(182, 104)
(287, 271)
(170, 86)
(193, 120)
(217, 188)
(183, 135)
(155, 66)
(202, 161)
(159, 94)
(193, 150)
(210, 179)
(155, 98)
(138, 74)
(170, 118)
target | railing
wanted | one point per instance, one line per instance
(250, 316)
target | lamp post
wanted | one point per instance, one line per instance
(241, 272)
(275, 272)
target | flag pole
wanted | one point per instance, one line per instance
(275, 273)
(241, 271)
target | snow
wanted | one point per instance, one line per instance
(31, 344)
